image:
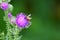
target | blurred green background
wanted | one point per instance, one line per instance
(45, 18)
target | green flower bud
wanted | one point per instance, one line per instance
(10, 7)
(8, 0)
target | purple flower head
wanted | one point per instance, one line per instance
(9, 15)
(4, 5)
(21, 20)
(11, 18)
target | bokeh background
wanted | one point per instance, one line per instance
(45, 18)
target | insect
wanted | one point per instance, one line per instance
(28, 17)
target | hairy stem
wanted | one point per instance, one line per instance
(8, 35)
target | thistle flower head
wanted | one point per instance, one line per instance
(11, 18)
(4, 5)
(9, 15)
(21, 20)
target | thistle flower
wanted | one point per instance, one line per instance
(11, 18)
(4, 5)
(21, 20)
(9, 15)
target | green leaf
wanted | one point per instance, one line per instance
(19, 38)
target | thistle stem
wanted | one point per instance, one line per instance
(8, 35)
(16, 33)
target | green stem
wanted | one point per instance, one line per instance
(16, 33)
(16, 36)
(8, 35)
(15, 29)
(8, 31)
